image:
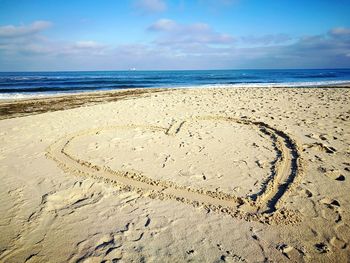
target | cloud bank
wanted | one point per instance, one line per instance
(172, 33)
(266, 39)
(173, 46)
(11, 31)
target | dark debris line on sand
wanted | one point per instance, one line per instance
(21, 108)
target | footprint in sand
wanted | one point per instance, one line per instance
(338, 243)
(308, 193)
(291, 253)
(320, 147)
(333, 212)
(335, 175)
(229, 255)
(109, 247)
(321, 248)
(347, 168)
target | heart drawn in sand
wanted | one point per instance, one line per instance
(162, 147)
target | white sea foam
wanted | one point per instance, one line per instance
(277, 85)
(18, 96)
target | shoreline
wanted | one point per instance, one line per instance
(11, 108)
(326, 84)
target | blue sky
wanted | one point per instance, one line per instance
(173, 34)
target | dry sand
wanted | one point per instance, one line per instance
(192, 175)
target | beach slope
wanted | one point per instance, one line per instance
(201, 175)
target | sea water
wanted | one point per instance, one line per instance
(24, 84)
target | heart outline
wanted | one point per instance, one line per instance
(263, 206)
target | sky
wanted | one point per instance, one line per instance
(53, 35)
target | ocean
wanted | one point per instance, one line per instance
(32, 84)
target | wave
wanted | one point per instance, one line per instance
(19, 84)
(18, 94)
(318, 76)
(79, 83)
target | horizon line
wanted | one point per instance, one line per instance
(147, 70)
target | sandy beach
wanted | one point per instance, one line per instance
(182, 175)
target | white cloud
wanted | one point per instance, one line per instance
(164, 25)
(89, 44)
(151, 6)
(173, 33)
(11, 31)
(266, 39)
(176, 46)
(340, 32)
(27, 40)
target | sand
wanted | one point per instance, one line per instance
(186, 175)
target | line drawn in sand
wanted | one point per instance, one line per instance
(265, 206)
